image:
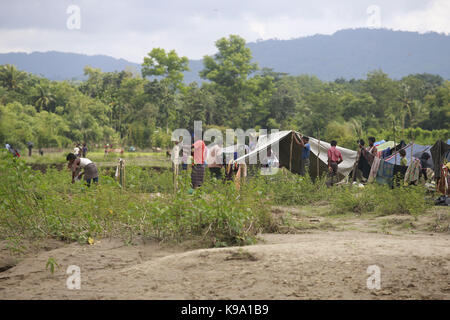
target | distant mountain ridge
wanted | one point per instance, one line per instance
(348, 54)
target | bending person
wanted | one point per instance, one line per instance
(76, 165)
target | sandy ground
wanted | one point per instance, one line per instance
(314, 265)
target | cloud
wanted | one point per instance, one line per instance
(435, 17)
(130, 29)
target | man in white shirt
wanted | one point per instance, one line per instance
(214, 160)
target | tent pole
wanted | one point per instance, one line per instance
(290, 154)
(318, 154)
(395, 145)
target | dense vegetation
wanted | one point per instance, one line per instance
(41, 206)
(141, 109)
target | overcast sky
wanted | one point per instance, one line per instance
(130, 29)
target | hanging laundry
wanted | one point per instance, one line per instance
(413, 172)
(374, 169)
(385, 173)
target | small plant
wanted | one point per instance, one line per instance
(51, 264)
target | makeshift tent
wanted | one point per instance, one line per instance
(379, 142)
(289, 153)
(440, 154)
(385, 145)
(417, 151)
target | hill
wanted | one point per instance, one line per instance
(348, 54)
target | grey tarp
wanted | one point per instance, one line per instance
(417, 151)
(293, 162)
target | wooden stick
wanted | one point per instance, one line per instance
(395, 145)
(124, 180)
(318, 154)
(290, 155)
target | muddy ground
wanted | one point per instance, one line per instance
(316, 256)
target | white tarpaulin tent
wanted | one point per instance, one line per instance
(293, 161)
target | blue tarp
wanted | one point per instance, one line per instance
(417, 151)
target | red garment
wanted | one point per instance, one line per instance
(334, 155)
(199, 152)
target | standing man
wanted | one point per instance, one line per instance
(306, 149)
(215, 160)
(334, 159)
(30, 148)
(76, 164)
(84, 150)
(198, 167)
(371, 148)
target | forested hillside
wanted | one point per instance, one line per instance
(345, 54)
(129, 109)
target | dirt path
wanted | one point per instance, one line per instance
(317, 265)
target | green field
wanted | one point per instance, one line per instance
(156, 159)
(42, 206)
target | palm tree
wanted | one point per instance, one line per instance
(44, 98)
(406, 101)
(356, 126)
(11, 77)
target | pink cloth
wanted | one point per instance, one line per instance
(334, 154)
(199, 152)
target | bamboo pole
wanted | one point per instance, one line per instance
(124, 180)
(395, 144)
(290, 154)
(175, 168)
(318, 154)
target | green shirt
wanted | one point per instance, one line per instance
(403, 162)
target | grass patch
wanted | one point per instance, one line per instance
(381, 200)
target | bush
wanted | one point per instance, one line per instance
(48, 205)
(381, 200)
(285, 188)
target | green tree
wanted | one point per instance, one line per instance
(229, 68)
(44, 99)
(11, 78)
(167, 65)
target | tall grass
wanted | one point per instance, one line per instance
(35, 205)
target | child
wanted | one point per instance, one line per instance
(403, 160)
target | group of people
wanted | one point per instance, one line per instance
(12, 150)
(334, 158)
(412, 173)
(213, 158)
(80, 150)
(15, 152)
